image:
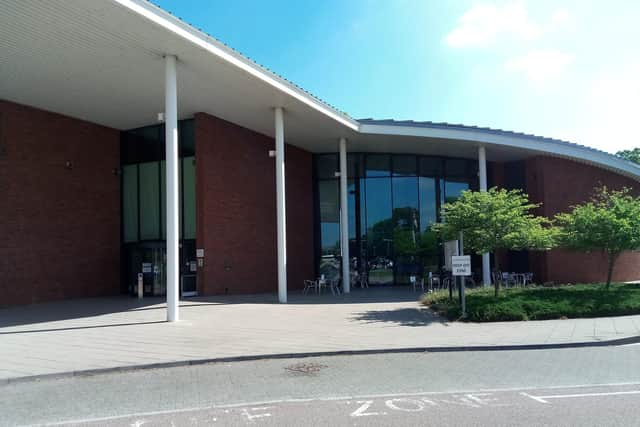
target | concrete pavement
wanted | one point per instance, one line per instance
(93, 334)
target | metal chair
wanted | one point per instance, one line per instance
(417, 281)
(334, 285)
(309, 284)
(364, 280)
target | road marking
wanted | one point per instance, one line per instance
(251, 417)
(362, 409)
(544, 399)
(536, 398)
(323, 399)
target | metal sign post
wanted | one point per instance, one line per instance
(461, 266)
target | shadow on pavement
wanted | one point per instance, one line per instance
(115, 305)
(400, 317)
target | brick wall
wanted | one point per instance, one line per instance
(559, 184)
(60, 225)
(236, 212)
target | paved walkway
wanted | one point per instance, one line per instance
(102, 333)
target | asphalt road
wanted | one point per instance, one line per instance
(585, 386)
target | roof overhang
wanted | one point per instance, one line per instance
(102, 61)
(501, 145)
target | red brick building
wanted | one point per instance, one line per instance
(237, 189)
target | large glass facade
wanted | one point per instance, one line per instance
(143, 206)
(393, 201)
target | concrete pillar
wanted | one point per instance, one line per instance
(281, 207)
(344, 218)
(173, 222)
(482, 175)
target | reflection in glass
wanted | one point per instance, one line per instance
(351, 207)
(406, 231)
(453, 190)
(189, 197)
(149, 201)
(378, 165)
(428, 208)
(326, 166)
(329, 201)
(392, 202)
(379, 230)
(130, 202)
(404, 165)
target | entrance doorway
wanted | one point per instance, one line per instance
(150, 259)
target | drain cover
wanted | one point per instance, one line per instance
(305, 368)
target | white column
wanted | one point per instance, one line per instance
(171, 138)
(482, 174)
(344, 218)
(281, 207)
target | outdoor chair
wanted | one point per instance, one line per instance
(309, 284)
(417, 281)
(528, 278)
(508, 279)
(364, 280)
(334, 285)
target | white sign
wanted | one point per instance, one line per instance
(461, 265)
(199, 253)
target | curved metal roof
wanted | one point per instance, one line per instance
(499, 137)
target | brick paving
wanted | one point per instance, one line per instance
(98, 333)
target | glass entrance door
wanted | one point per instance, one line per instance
(188, 268)
(150, 259)
(153, 266)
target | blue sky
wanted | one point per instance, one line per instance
(569, 70)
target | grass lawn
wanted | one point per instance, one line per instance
(539, 303)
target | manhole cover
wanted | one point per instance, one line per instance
(305, 368)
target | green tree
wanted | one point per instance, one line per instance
(495, 219)
(609, 222)
(631, 155)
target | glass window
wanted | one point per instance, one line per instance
(404, 165)
(457, 173)
(149, 201)
(379, 237)
(130, 203)
(428, 205)
(405, 202)
(187, 138)
(351, 207)
(328, 193)
(354, 165)
(189, 197)
(431, 166)
(163, 199)
(456, 169)
(406, 231)
(453, 190)
(378, 165)
(327, 166)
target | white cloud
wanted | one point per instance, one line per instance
(612, 104)
(540, 65)
(483, 24)
(560, 17)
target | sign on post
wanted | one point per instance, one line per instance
(461, 265)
